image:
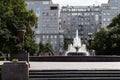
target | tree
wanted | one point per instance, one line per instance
(48, 49)
(66, 43)
(14, 16)
(45, 49)
(41, 48)
(114, 34)
(107, 41)
(99, 42)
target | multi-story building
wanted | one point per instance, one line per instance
(86, 19)
(47, 30)
(109, 11)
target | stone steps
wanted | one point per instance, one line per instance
(74, 75)
(78, 78)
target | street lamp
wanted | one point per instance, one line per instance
(90, 38)
(21, 53)
(21, 34)
(60, 51)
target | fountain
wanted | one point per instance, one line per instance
(77, 48)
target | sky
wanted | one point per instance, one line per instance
(79, 2)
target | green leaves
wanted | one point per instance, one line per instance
(107, 41)
(45, 49)
(14, 16)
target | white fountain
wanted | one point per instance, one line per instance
(77, 48)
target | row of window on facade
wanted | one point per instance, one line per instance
(50, 25)
(46, 39)
(79, 23)
(52, 36)
(50, 19)
(81, 14)
(109, 7)
(45, 8)
(81, 18)
(37, 10)
(46, 31)
(88, 9)
(104, 25)
(106, 14)
(52, 42)
(106, 19)
(49, 14)
(45, 13)
(42, 2)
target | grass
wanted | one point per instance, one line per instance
(2, 57)
(15, 60)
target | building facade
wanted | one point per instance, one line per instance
(47, 30)
(85, 19)
(109, 11)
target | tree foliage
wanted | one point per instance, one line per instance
(45, 49)
(107, 41)
(66, 43)
(14, 16)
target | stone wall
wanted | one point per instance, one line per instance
(15, 71)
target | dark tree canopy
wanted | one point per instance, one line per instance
(45, 49)
(107, 41)
(14, 16)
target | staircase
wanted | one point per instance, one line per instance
(74, 75)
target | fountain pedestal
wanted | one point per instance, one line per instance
(77, 48)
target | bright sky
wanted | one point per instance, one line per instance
(79, 2)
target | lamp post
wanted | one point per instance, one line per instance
(60, 51)
(90, 38)
(21, 34)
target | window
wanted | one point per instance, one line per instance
(43, 36)
(108, 14)
(61, 36)
(74, 14)
(37, 31)
(38, 40)
(73, 9)
(104, 19)
(53, 7)
(96, 17)
(85, 14)
(108, 19)
(114, 7)
(37, 9)
(46, 8)
(104, 13)
(45, 2)
(92, 13)
(64, 10)
(96, 9)
(80, 14)
(82, 23)
(38, 26)
(47, 36)
(104, 25)
(55, 36)
(51, 36)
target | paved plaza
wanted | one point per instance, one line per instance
(73, 65)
